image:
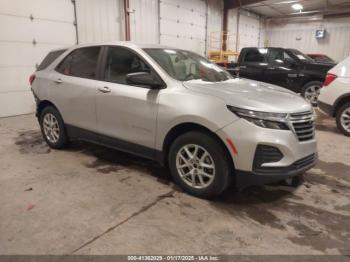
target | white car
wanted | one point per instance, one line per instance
(177, 108)
(334, 99)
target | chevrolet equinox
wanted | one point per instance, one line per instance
(177, 108)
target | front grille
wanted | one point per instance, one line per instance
(303, 125)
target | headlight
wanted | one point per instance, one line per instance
(262, 119)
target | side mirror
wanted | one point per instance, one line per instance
(143, 79)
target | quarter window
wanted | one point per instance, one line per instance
(80, 63)
(120, 62)
(50, 58)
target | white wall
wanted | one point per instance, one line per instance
(302, 36)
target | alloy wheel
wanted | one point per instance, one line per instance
(51, 128)
(311, 93)
(345, 119)
(195, 166)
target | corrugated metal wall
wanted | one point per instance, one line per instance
(183, 24)
(170, 22)
(302, 36)
(144, 21)
(100, 20)
(214, 23)
(232, 29)
(251, 30)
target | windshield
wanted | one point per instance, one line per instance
(301, 56)
(184, 65)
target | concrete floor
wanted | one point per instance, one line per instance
(92, 200)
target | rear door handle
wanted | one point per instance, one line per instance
(242, 67)
(58, 81)
(104, 89)
(271, 68)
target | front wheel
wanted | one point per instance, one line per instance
(311, 91)
(343, 119)
(199, 164)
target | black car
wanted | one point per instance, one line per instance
(288, 68)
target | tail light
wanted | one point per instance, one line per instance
(31, 79)
(329, 79)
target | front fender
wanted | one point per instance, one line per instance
(190, 108)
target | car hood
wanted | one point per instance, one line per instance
(253, 95)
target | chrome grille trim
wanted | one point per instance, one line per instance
(302, 124)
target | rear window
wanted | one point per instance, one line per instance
(50, 58)
(323, 59)
(81, 62)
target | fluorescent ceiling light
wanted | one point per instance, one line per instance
(297, 7)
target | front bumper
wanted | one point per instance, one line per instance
(297, 156)
(37, 102)
(245, 179)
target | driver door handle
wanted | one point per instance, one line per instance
(104, 89)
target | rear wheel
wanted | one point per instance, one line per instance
(343, 119)
(311, 91)
(199, 164)
(52, 128)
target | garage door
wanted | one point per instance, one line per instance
(183, 24)
(249, 31)
(144, 21)
(99, 20)
(29, 29)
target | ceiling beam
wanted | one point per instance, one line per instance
(239, 3)
(275, 9)
(337, 15)
(278, 3)
(331, 12)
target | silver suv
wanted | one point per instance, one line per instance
(177, 108)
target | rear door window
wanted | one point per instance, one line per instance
(50, 58)
(81, 62)
(255, 55)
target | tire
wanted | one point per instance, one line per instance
(57, 138)
(217, 179)
(343, 118)
(295, 181)
(311, 91)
